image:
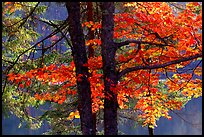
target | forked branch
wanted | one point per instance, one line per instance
(125, 71)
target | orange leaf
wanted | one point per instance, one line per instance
(11, 76)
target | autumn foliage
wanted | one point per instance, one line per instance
(164, 37)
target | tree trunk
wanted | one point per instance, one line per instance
(80, 58)
(151, 131)
(90, 48)
(90, 32)
(109, 68)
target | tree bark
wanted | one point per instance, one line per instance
(80, 58)
(90, 48)
(109, 68)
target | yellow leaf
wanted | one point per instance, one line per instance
(179, 66)
(71, 116)
(53, 80)
(101, 107)
(175, 76)
(77, 114)
(165, 23)
(90, 71)
(17, 5)
(151, 126)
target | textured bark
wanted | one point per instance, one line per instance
(109, 68)
(80, 58)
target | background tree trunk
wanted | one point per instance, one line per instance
(109, 68)
(90, 32)
(90, 48)
(80, 58)
(151, 131)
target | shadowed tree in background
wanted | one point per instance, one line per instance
(80, 58)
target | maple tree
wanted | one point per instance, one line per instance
(138, 45)
(160, 41)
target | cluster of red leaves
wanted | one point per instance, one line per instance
(147, 19)
(49, 75)
(92, 25)
(8, 6)
(96, 80)
(95, 42)
(65, 77)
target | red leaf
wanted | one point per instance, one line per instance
(21, 86)
(28, 83)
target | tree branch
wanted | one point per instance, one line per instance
(125, 71)
(64, 25)
(172, 4)
(50, 35)
(118, 45)
(26, 18)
